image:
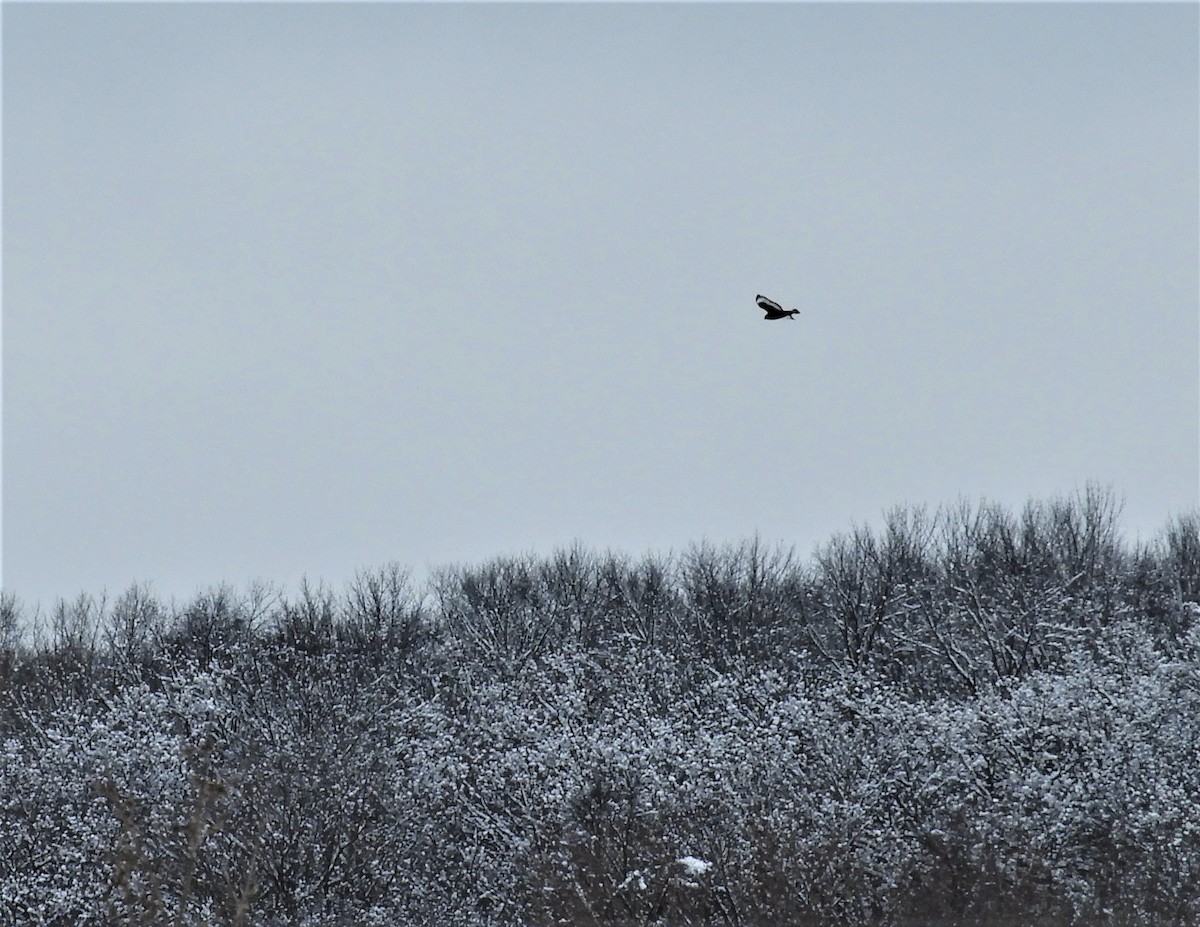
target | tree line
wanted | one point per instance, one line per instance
(966, 716)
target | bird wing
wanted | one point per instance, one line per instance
(768, 304)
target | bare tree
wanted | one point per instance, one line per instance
(309, 623)
(733, 597)
(383, 609)
(132, 628)
(215, 622)
(1183, 554)
(642, 597)
(10, 633)
(868, 587)
(499, 611)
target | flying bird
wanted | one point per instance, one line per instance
(773, 310)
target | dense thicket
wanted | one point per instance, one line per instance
(968, 717)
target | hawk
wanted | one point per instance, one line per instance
(773, 310)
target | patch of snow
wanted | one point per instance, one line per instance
(694, 865)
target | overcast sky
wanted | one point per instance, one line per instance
(294, 290)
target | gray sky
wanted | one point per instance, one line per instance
(295, 289)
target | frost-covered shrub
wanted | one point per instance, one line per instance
(56, 830)
(95, 803)
(1094, 784)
